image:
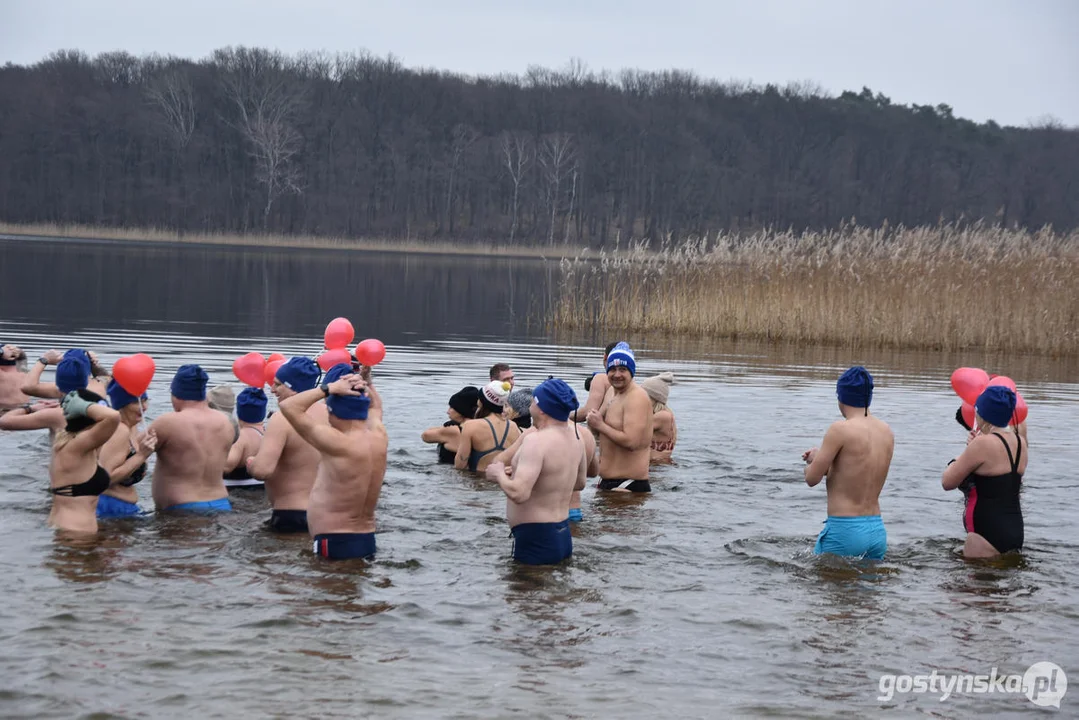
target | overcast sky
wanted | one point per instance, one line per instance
(1014, 61)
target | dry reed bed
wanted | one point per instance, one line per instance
(942, 288)
(269, 240)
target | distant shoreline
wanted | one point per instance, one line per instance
(151, 237)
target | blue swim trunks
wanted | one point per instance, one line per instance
(862, 537)
(208, 507)
(575, 515)
(110, 507)
(542, 543)
(343, 546)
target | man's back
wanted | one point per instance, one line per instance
(860, 468)
(192, 448)
(347, 487)
(563, 456)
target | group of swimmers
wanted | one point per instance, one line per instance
(322, 459)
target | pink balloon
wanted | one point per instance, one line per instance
(334, 357)
(370, 352)
(1021, 409)
(339, 333)
(250, 369)
(134, 373)
(1002, 381)
(968, 414)
(968, 383)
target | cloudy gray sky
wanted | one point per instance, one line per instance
(1014, 61)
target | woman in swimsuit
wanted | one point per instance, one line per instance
(990, 475)
(75, 477)
(124, 456)
(489, 434)
(463, 406)
(664, 427)
(251, 414)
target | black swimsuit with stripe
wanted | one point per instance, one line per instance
(992, 504)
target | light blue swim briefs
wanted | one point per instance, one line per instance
(207, 507)
(862, 536)
(110, 507)
(575, 515)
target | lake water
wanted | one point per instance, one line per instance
(700, 600)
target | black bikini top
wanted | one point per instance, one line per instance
(96, 485)
(136, 475)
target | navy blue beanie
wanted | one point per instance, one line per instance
(346, 407)
(556, 399)
(855, 387)
(118, 397)
(251, 405)
(189, 383)
(73, 372)
(299, 374)
(996, 405)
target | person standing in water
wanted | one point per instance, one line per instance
(285, 461)
(503, 373)
(250, 412)
(192, 445)
(664, 427)
(462, 407)
(12, 378)
(549, 466)
(353, 446)
(596, 386)
(855, 455)
(990, 474)
(489, 434)
(76, 478)
(124, 456)
(624, 426)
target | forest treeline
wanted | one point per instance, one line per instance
(359, 146)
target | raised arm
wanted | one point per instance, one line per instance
(264, 463)
(33, 386)
(322, 437)
(105, 420)
(819, 461)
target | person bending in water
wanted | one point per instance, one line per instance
(192, 445)
(664, 427)
(624, 426)
(251, 412)
(124, 456)
(855, 456)
(489, 434)
(76, 479)
(286, 461)
(463, 406)
(596, 386)
(990, 474)
(548, 468)
(353, 444)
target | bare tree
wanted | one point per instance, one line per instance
(257, 83)
(463, 138)
(517, 156)
(558, 158)
(170, 92)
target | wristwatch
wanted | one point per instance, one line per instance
(325, 388)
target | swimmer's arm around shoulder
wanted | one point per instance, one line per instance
(440, 434)
(822, 461)
(264, 462)
(518, 486)
(464, 448)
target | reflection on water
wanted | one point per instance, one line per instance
(702, 599)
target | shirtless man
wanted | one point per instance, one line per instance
(18, 411)
(855, 455)
(549, 466)
(597, 387)
(11, 378)
(624, 426)
(353, 444)
(285, 461)
(502, 373)
(192, 445)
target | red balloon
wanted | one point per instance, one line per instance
(134, 373)
(250, 369)
(1021, 409)
(334, 357)
(1003, 382)
(968, 414)
(271, 370)
(275, 357)
(370, 352)
(968, 383)
(339, 333)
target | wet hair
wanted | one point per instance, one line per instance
(497, 369)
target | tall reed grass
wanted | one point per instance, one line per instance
(943, 288)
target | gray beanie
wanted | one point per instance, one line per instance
(520, 400)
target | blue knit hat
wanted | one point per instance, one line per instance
(556, 399)
(189, 383)
(996, 405)
(621, 356)
(251, 405)
(855, 387)
(299, 374)
(120, 398)
(346, 407)
(73, 371)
